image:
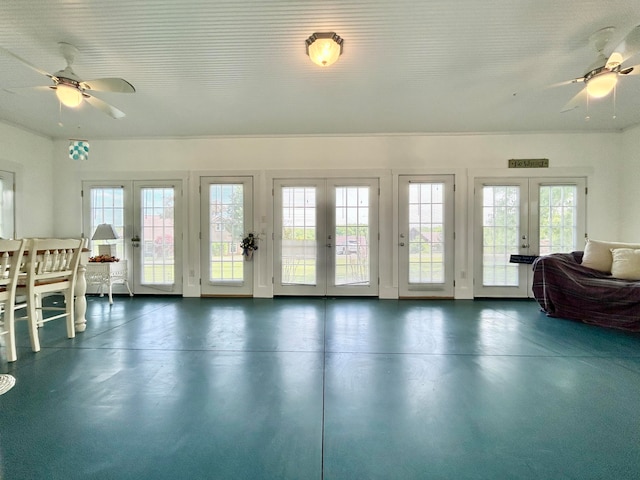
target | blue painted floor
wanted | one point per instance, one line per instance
(313, 388)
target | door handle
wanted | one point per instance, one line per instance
(329, 245)
(401, 244)
(524, 245)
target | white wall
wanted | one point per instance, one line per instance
(598, 155)
(30, 157)
(629, 188)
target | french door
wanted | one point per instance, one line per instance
(7, 209)
(426, 240)
(523, 217)
(146, 216)
(326, 237)
(226, 218)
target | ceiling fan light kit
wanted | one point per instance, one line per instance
(324, 49)
(602, 84)
(68, 95)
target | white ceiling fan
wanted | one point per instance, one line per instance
(603, 75)
(71, 90)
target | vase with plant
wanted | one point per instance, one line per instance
(248, 245)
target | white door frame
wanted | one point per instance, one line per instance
(240, 287)
(406, 288)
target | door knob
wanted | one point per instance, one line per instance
(401, 244)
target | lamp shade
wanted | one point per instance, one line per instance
(324, 49)
(602, 84)
(104, 231)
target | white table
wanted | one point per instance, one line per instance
(107, 274)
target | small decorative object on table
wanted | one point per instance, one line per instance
(248, 245)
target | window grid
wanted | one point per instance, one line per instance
(500, 229)
(158, 232)
(352, 236)
(107, 206)
(299, 232)
(558, 218)
(426, 233)
(226, 228)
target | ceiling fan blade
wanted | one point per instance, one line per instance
(566, 82)
(24, 62)
(632, 70)
(629, 47)
(117, 85)
(575, 102)
(104, 107)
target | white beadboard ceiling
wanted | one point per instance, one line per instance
(211, 67)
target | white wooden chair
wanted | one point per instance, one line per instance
(51, 267)
(11, 257)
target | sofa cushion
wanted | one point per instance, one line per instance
(597, 254)
(626, 263)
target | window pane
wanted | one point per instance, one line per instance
(558, 218)
(107, 206)
(426, 233)
(298, 253)
(352, 236)
(226, 225)
(157, 238)
(500, 229)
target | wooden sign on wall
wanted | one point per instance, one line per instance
(529, 163)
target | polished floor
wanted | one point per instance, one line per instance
(314, 388)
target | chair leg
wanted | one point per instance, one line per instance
(32, 320)
(9, 320)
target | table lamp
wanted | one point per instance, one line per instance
(105, 231)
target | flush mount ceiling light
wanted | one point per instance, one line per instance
(324, 49)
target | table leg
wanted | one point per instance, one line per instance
(81, 300)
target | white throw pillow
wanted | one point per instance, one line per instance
(597, 254)
(626, 263)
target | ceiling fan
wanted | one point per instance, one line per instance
(71, 90)
(603, 75)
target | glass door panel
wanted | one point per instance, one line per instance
(157, 236)
(352, 244)
(500, 234)
(107, 206)
(298, 249)
(352, 235)
(425, 245)
(226, 220)
(558, 221)
(501, 231)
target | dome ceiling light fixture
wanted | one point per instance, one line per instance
(324, 49)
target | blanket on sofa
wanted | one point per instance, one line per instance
(566, 289)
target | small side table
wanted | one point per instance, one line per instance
(107, 273)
